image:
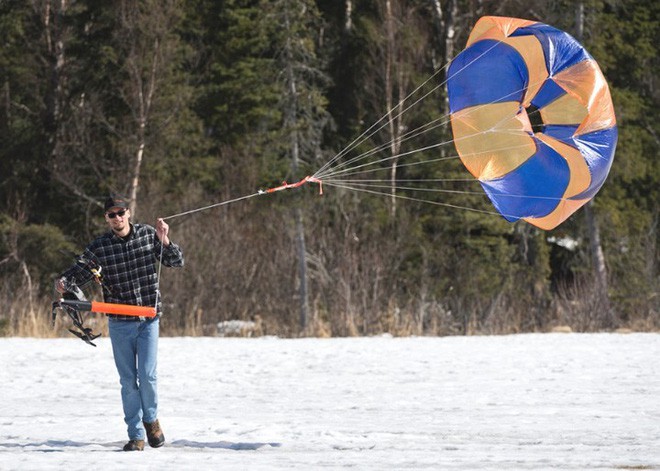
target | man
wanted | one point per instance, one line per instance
(127, 256)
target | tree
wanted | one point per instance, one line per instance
(130, 97)
(303, 108)
(623, 39)
(31, 64)
(593, 227)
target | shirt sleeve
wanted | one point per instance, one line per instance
(80, 273)
(172, 254)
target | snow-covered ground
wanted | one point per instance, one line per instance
(553, 401)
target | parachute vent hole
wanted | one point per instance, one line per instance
(535, 119)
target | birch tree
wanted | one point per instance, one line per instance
(147, 33)
(397, 51)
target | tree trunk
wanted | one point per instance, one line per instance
(54, 30)
(302, 269)
(290, 123)
(394, 116)
(135, 181)
(447, 40)
(593, 229)
(597, 255)
(144, 100)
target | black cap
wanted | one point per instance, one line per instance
(116, 201)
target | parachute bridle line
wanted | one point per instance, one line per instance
(210, 206)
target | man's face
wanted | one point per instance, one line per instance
(117, 218)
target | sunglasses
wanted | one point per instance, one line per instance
(118, 213)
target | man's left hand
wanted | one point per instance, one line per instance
(162, 231)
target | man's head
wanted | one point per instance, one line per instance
(117, 214)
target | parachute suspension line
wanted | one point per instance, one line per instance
(347, 172)
(343, 167)
(405, 137)
(415, 180)
(385, 159)
(363, 137)
(337, 176)
(368, 133)
(362, 185)
(382, 169)
(384, 186)
(357, 171)
(340, 169)
(434, 124)
(410, 198)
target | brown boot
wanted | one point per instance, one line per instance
(134, 445)
(155, 435)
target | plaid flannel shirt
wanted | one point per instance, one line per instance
(128, 267)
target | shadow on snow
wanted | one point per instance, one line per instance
(54, 446)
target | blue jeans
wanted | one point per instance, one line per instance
(135, 348)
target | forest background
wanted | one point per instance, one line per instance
(181, 104)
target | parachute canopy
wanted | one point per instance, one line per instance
(514, 70)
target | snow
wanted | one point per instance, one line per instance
(529, 402)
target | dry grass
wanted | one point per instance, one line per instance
(29, 316)
(573, 310)
(26, 319)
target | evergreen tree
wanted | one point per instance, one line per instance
(26, 120)
(624, 39)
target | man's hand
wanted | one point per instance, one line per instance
(59, 285)
(162, 229)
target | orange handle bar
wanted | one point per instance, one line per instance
(124, 309)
